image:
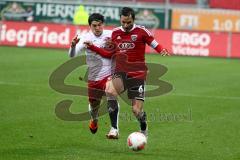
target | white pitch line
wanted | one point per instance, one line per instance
(17, 84)
(10, 83)
(173, 94)
(206, 96)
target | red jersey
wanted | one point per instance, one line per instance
(131, 45)
(128, 50)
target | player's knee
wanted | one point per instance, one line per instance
(136, 110)
(137, 107)
(110, 90)
(94, 103)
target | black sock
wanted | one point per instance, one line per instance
(142, 118)
(113, 112)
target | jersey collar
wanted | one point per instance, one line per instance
(95, 35)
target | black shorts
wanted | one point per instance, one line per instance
(135, 87)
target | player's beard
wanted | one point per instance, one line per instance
(128, 29)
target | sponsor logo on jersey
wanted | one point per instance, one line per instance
(134, 37)
(126, 45)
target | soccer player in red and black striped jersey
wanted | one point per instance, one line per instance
(129, 42)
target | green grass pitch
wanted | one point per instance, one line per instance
(198, 120)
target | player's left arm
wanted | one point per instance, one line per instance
(149, 39)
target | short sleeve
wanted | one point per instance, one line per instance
(148, 38)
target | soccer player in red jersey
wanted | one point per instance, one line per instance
(130, 69)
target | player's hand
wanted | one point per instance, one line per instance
(110, 45)
(75, 40)
(88, 44)
(108, 41)
(164, 52)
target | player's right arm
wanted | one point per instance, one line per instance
(103, 52)
(76, 46)
(106, 52)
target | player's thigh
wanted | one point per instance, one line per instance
(114, 86)
(94, 103)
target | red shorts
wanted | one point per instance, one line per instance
(96, 89)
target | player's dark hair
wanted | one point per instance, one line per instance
(126, 11)
(95, 17)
